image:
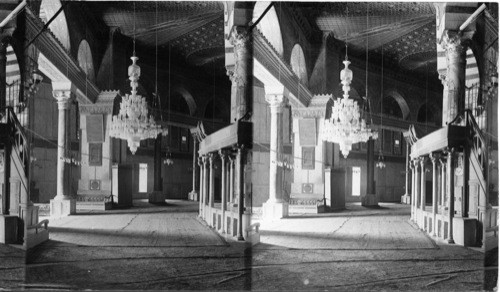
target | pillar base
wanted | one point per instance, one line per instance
(273, 210)
(8, 229)
(62, 207)
(193, 196)
(156, 197)
(464, 231)
(406, 199)
(369, 200)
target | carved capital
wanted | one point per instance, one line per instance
(455, 43)
(200, 161)
(240, 37)
(224, 155)
(434, 157)
(63, 98)
(275, 102)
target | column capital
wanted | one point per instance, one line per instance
(435, 157)
(204, 160)
(275, 102)
(224, 154)
(454, 41)
(63, 98)
(240, 36)
(422, 160)
(211, 157)
(200, 161)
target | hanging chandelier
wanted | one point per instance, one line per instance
(133, 122)
(345, 125)
(381, 161)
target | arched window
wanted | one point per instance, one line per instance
(298, 63)
(391, 108)
(269, 25)
(58, 26)
(216, 110)
(426, 114)
(85, 60)
(177, 104)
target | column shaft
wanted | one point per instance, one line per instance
(275, 104)
(231, 180)
(194, 165)
(422, 184)
(63, 98)
(434, 192)
(451, 194)
(200, 196)
(223, 157)
(212, 181)
(407, 168)
(413, 201)
(240, 187)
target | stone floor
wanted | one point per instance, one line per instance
(167, 247)
(12, 264)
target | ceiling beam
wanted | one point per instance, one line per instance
(374, 31)
(175, 24)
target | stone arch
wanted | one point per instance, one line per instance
(298, 63)
(428, 113)
(85, 60)
(59, 26)
(188, 98)
(400, 100)
(222, 112)
(269, 25)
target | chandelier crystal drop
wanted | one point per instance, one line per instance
(345, 125)
(133, 122)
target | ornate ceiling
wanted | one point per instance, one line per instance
(194, 29)
(403, 32)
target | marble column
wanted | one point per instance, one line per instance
(275, 208)
(205, 186)
(157, 196)
(231, 179)
(3, 74)
(416, 181)
(434, 159)
(193, 195)
(241, 77)
(240, 187)
(370, 198)
(450, 185)
(200, 198)
(275, 104)
(455, 45)
(406, 198)
(412, 201)
(211, 183)
(62, 204)
(223, 157)
(442, 198)
(422, 183)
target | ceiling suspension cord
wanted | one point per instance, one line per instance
(382, 101)
(426, 89)
(156, 63)
(134, 32)
(169, 109)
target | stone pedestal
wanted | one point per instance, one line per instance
(369, 200)
(273, 210)
(62, 207)
(406, 199)
(193, 196)
(464, 231)
(157, 197)
(8, 229)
